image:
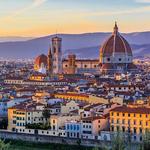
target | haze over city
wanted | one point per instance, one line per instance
(74, 74)
(43, 17)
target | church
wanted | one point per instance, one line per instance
(115, 57)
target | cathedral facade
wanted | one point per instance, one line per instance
(115, 57)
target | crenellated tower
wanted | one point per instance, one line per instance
(57, 55)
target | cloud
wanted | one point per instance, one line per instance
(34, 4)
(120, 12)
(142, 1)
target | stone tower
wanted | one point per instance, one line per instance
(57, 55)
(71, 63)
(49, 62)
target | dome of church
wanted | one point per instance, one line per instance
(41, 59)
(116, 54)
(115, 44)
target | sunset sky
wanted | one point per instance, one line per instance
(43, 17)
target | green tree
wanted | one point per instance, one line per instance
(146, 141)
(4, 146)
(46, 113)
(3, 124)
(118, 142)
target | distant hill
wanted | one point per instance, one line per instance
(84, 45)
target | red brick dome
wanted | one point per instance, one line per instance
(41, 59)
(115, 44)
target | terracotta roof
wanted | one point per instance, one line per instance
(115, 44)
(125, 109)
(41, 59)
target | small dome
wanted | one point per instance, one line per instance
(41, 59)
(115, 44)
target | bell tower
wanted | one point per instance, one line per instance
(57, 55)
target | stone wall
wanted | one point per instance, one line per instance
(49, 139)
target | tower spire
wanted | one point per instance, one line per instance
(115, 28)
(49, 61)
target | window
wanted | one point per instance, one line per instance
(140, 130)
(117, 120)
(134, 130)
(108, 59)
(128, 121)
(134, 122)
(112, 128)
(118, 128)
(119, 59)
(85, 66)
(140, 138)
(123, 121)
(135, 138)
(140, 122)
(123, 129)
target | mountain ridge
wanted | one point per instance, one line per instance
(76, 43)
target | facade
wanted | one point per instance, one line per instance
(133, 120)
(116, 55)
(73, 129)
(80, 66)
(25, 113)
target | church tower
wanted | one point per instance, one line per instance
(57, 55)
(49, 62)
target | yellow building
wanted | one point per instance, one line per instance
(72, 96)
(25, 113)
(38, 77)
(131, 119)
(87, 98)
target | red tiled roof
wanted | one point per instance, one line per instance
(125, 109)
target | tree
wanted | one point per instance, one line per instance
(4, 146)
(118, 142)
(146, 141)
(46, 113)
(3, 124)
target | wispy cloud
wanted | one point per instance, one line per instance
(120, 12)
(34, 4)
(143, 1)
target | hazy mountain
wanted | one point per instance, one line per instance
(14, 38)
(84, 45)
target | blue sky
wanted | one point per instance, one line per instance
(43, 17)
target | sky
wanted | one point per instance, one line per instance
(34, 18)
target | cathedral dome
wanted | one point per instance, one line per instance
(115, 44)
(41, 59)
(116, 54)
